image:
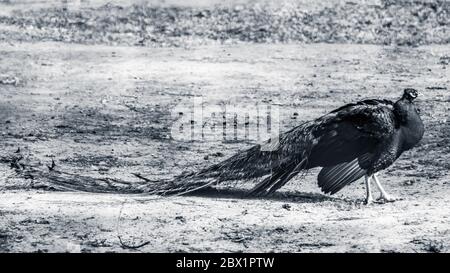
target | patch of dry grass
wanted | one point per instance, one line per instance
(390, 22)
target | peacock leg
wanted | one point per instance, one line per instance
(369, 199)
(383, 194)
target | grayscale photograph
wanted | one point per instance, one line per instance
(224, 126)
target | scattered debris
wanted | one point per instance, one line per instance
(432, 246)
(50, 168)
(142, 177)
(436, 88)
(39, 221)
(280, 230)
(237, 237)
(444, 60)
(15, 162)
(181, 219)
(98, 243)
(319, 244)
(218, 154)
(409, 182)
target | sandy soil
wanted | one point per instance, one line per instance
(106, 112)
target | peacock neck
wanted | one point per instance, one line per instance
(410, 123)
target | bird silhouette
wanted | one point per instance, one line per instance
(358, 139)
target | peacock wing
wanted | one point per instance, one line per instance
(347, 140)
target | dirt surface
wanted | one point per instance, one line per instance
(177, 23)
(107, 112)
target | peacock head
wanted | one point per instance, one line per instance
(410, 94)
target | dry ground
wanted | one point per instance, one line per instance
(106, 112)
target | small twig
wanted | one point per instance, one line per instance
(15, 163)
(142, 177)
(109, 180)
(122, 244)
(52, 167)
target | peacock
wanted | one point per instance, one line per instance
(356, 140)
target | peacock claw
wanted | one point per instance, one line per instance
(368, 201)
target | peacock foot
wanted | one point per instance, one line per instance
(388, 199)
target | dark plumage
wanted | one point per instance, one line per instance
(355, 140)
